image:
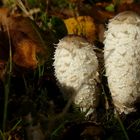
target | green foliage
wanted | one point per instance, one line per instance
(41, 4)
(8, 2)
(55, 24)
(60, 3)
(135, 126)
(32, 2)
(7, 135)
(58, 26)
(110, 8)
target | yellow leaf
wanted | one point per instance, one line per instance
(82, 25)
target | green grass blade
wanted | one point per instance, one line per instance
(122, 126)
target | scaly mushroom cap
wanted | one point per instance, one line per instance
(122, 60)
(76, 69)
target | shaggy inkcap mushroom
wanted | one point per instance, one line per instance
(76, 69)
(122, 60)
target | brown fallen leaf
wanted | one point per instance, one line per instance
(97, 12)
(124, 1)
(25, 51)
(83, 130)
(27, 42)
(93, 132)
(135, 7)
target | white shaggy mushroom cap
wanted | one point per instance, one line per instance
(122, 60)
(76, 69)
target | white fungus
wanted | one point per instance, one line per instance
(122, 60)
(76, 69)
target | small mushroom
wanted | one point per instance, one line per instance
(122, 60)
(76, 69)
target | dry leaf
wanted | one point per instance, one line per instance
(82, 25)
(129, 7)
(97, 12)
(25, 51)
(95, 132)
(124, 1)
(26, 41)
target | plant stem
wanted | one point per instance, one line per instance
(7, 83)
(122, 126)
(6, 87)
